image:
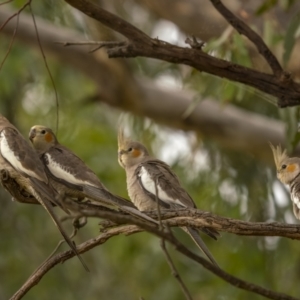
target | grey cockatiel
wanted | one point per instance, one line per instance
(24, 167)
(70, 176)
(150, 180)
(288, 172)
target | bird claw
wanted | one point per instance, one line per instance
(79, 222)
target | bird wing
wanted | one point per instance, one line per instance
(159, 181)
(107, 198)
(16, 151)
(65, 166)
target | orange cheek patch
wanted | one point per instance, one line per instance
(291, 168)
(136, 153)
(48, 137)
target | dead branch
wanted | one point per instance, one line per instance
(244, 29)
(130, 229)
(139, 44)
(194, 218)
(174, 218)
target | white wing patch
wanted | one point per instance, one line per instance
(296, 200)
(62, 173)
(14, 160)
(149, 185)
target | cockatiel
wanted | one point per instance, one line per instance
(288, 172)
(71, 177)
(24, 167)
(150, 180)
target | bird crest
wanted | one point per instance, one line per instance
(122, 140)
(279, 155)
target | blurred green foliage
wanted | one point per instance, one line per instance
(223, 182)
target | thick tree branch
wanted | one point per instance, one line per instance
(179, 218)
(200, 18)
(187, 217)
(284, 88)
(130, 229)
(110, 20)
(230, 126)
(192, 217)
(198, 219)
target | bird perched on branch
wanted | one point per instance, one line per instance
(151, 182)
(71, 177)
(288, 172)
(23, 166)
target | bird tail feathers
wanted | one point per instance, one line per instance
(214, 234)
(104, 196)
(199, 242)
(41, 194)
(107, 198)
(48, 192)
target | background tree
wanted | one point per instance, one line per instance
(213, 132)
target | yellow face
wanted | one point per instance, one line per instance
(41, 137)
(129, 156)
(288, 170)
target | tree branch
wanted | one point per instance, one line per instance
(130, 229)
(174, 218)
(244, 29)
(185, 217)
(46, 266)
(284, 88)
(231, 127)
(175, 273)
(198, 219)
(202, 20)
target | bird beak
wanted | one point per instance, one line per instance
(121, 152)
(32, 134)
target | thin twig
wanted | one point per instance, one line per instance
(15, 14)
(48, 69)
(5, 2)
(85, 43)
(174, 271)
(28, 3)
(54, 251)
(11, 43)
(244, 29)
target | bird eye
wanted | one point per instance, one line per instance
(283, 167)
(129, 150)
(43, 131)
